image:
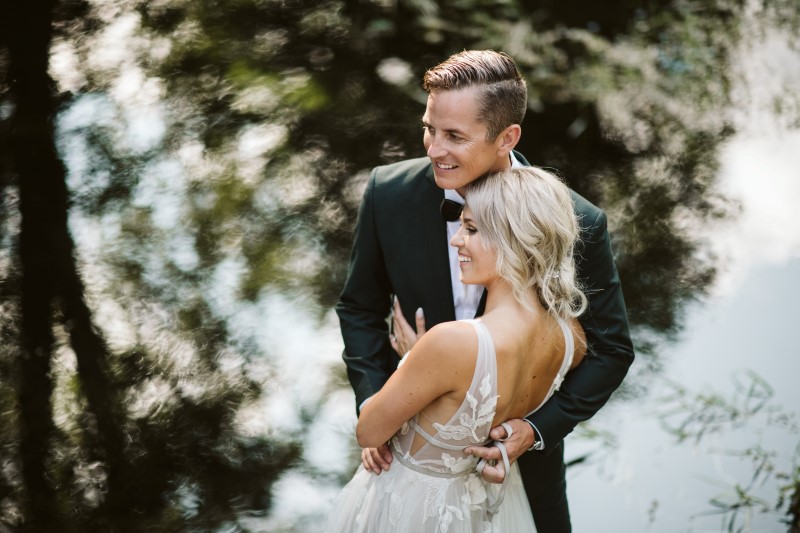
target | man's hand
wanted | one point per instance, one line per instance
(521, 439)
(404, 337)
(377, 460)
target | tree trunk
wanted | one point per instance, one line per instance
(28, 38)
(49, 275)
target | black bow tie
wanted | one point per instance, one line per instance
(450, 209)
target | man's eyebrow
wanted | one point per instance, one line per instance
(456, 131)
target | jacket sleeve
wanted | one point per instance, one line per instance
(364, 305)
(587, 388)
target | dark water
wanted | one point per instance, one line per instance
(216, 153)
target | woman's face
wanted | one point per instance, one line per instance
(478, 262)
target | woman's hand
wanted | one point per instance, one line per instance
(404, 337)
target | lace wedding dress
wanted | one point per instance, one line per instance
(436, 488)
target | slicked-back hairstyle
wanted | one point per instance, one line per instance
(526, 216)
(504, 95)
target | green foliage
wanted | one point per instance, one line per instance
(699, 416)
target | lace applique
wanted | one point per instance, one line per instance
(435, 505)
(470, 422)
(457, 465)
(475, 495)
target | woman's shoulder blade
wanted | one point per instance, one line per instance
(450, 339)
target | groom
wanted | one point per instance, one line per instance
(409, 212)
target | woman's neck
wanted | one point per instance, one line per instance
(500, 296)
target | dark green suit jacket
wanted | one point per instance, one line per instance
(400, 247)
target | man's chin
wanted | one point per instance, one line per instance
(444, 183)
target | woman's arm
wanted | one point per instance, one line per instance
(439, 363)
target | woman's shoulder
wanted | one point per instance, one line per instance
(449, 341)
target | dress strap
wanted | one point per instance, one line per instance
(569, 350)
(566, 362)
(433, 440)
(495, 505)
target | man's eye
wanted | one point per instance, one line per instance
(471, 230)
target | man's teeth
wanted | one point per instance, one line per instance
(462, 259)
(445, 167)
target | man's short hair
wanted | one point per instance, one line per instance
(503, 96)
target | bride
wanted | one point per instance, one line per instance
(460, 379)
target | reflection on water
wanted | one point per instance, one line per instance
(217, 152)
(711, 446)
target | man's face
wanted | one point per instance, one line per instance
(456, 141)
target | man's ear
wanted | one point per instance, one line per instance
(509, 137)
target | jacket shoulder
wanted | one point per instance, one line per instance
(401, 173)
(589, 215)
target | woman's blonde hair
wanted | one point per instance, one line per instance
(526, 216)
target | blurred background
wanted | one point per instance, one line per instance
(179, 183)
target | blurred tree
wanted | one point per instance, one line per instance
(120, 467)
(627, 101)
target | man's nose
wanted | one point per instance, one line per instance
(434, 148)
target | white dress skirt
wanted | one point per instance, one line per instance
(437, 489)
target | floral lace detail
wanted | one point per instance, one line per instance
(435, 503)
(457, 465)
(482, 414)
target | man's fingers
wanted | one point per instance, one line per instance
(386, 454)
(494, 474)
(498, 433)
(369, 464)
(379, 457)
(374, 461)
(521, 439)
(485, 452)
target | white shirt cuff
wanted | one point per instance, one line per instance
(538, 445)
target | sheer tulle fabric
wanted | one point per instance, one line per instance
(436, 488)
